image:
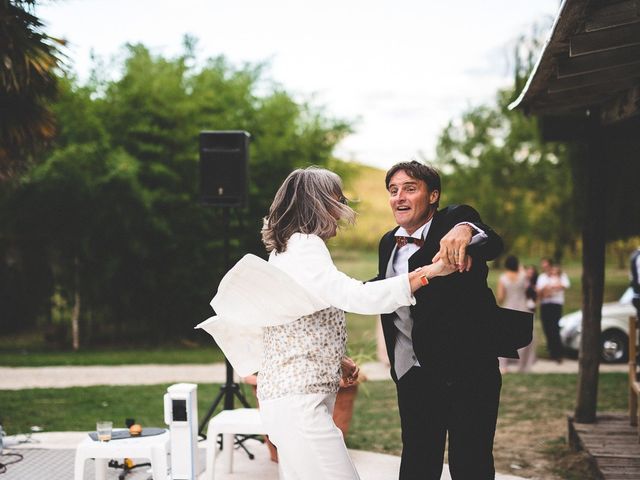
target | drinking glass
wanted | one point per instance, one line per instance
(104, 431)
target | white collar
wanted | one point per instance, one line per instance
(401, 232)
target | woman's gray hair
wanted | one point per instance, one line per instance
(308, 201)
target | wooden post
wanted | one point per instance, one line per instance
(633, 395)
(593, 251)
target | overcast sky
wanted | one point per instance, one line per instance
(400, 70)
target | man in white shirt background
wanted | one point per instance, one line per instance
(551, 284)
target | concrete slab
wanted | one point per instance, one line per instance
(50, 456)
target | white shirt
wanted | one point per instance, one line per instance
(401, 258)
(557, 297)
(402, 255)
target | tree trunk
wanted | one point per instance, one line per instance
(75, 313)
(593, 253)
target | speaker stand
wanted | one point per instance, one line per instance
(230, 389)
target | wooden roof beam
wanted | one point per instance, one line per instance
(603, 40)
(582, 98)
(605, 78)
(598, 61)
(568, 17)
(613, 15)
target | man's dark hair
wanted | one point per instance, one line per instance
(419, 171)
(511, 263)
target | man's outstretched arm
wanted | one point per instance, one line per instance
(468, 238)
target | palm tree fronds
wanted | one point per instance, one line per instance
(30, 61)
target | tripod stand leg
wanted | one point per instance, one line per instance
(240, 439)
(238, 393)
(212, 409)
(228, 391)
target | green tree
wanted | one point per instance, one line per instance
(29, 62)
(494, 159)
(116, 202)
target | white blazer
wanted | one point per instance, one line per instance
(297, 282)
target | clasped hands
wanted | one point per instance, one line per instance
(453, 249)
(350, 372)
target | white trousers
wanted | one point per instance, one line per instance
(310, 446)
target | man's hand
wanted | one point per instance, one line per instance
(350, 372)
(453, 248)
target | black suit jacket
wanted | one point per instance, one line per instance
(454, 316)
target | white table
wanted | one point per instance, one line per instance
(229, 423)
(155, 448)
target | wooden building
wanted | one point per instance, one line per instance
(585, 88)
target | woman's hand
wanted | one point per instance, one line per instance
(441, 269)
(421, 276)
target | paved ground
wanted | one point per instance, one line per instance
(50, 456)
(18, 378)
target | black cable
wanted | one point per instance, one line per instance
(3, 465)
(125, 468)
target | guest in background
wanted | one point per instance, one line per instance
(512, 293)
(550, 287)
(532, 296)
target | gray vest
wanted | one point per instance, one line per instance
(404, 357)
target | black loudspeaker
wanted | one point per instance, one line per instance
(224, 167)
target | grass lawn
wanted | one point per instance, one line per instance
(529, 440)
(79, 408)
(26, 350)
(168, 355)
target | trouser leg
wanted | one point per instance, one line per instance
(474, 413)
(550, 314)
(423, 413)
(310, 446)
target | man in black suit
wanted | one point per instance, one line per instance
(442, 349)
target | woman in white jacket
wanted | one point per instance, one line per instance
(304, 360)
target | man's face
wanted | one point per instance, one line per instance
(411, 201)
(545, 266)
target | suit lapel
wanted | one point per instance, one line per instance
(386, 251)
(431, 244)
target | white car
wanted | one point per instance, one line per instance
(614, 326)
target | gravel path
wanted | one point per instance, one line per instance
(18, 378)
